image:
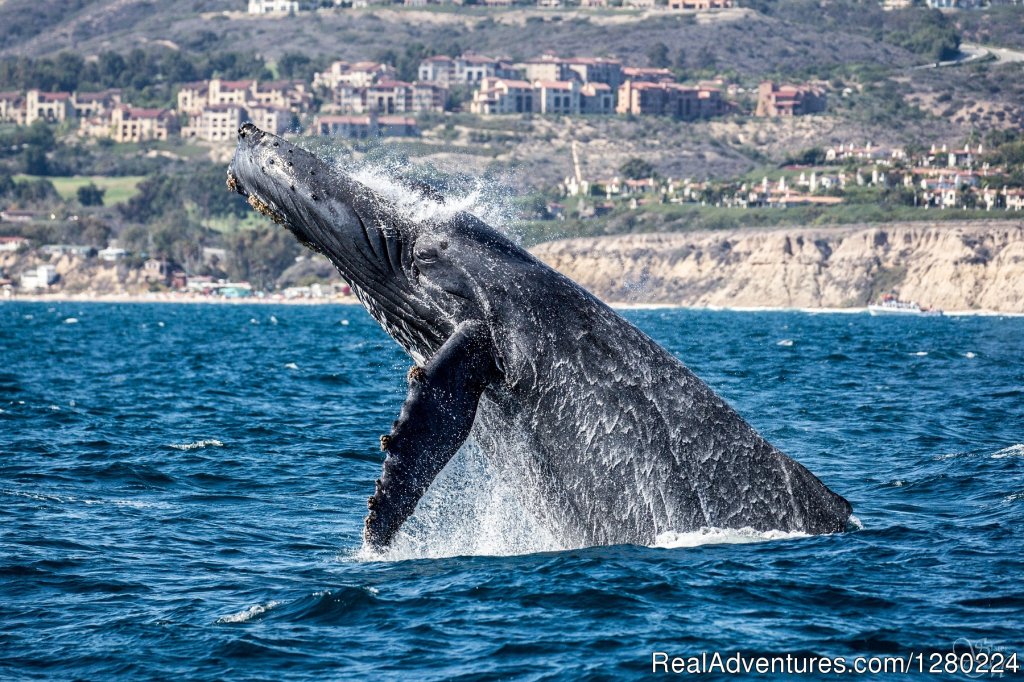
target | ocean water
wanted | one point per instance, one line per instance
(182, 489)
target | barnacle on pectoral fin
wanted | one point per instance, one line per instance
(264, 208)
(232, 182)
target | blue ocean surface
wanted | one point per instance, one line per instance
(182, 491)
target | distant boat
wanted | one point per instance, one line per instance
(890, 305)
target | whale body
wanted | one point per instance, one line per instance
(623, 441)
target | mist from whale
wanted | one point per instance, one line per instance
(578, 428)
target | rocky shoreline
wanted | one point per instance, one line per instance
(969, 268)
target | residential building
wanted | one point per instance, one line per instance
(964, 158)
(112, 254)
(788, 100)
(13, 215)
(545, 68)
(276, 120)
(428, 97)
(869, 152)
(1013, 199)
(55, 107)
(557, 97)
(353, 127)
(12, 107)
(216, 108)
(130, 124)
(216, 123)
(645, 74)
(597, 98)
(670, 99)
(292, 95)
(358, 74)
(698, 5)
(91, 104)
(192, 97)
(229, 92)
(39, 277)
(12, 244)
(595, 70)
(279, 7)
(52, 107)
(503, 96)
(389, 97)
(465, 69)
(364, 127)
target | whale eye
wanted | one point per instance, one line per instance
(426, 255)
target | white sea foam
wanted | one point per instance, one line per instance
(472, 508)
(920, 353)
(785, 343)
(249, 613)
(1012, 451)
(721, 536)
(291, 365)
(67, 499)
(71, 320)
(970, 355)
(197, 445)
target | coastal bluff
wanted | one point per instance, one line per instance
(952, 266)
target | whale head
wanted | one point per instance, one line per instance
(418, 278)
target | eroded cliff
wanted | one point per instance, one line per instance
(952, 266)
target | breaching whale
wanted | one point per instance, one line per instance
(624, 442)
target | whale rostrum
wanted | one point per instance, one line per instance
(624, 442)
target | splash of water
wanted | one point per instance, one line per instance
(390, 174)
(472, 508)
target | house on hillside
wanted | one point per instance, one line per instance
(789, 100)
(278, 7)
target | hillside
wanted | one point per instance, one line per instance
(976, 266)
(743, 39)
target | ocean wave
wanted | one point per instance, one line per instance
(1012, 451)
(197, 445)
(248, 614)
(711, 535)
(68, 499)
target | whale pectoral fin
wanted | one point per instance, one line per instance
(434, 423)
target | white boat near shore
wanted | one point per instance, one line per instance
(890, 305)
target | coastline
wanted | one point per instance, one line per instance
(352, 301)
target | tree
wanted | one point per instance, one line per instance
(34, 161)
(657, 56)
(636, 169)
(294, 65)
(90, 195)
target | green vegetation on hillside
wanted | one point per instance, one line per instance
(116, 189)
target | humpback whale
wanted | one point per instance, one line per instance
(624, 442)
